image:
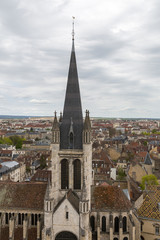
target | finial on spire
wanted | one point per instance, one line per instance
(73, 28)
(55, 114)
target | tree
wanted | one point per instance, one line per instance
(149, 180)
(154, 131)
(17, 141)
(42, 162)
(121, 174)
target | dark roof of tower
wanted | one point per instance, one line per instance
(147, 160)
(72, 112)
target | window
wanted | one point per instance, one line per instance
(157, 230)
(92, 223)
(103, 224)
(83, 207)
(67, 215)
(77, 174)
(116, 224)
(71, 140)
(124, 224)
(64, 174)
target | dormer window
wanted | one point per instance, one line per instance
(71, 140)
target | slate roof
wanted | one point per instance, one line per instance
(149, 207)
(22, 195)
(72, 111)
(147, 160)
(42, 176)
(72, 198)
(109, 198)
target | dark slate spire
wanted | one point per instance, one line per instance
(72, 108)
(148, 160)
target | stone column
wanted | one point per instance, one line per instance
(70, 173)
(98, 226)
(120, 228)
(11, 228)
(25, 228)
(38, 229)
(111, 227)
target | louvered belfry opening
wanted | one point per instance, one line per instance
(77, 174)
(64, 174)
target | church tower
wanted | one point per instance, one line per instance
(69, 197)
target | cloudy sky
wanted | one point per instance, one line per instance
(117, 48)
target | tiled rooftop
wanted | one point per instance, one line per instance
(110, 198)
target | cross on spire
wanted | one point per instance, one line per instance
(73, 28)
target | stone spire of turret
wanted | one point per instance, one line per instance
(55, 125)
(87, 129)
(55, 130)
(72, 106)
(87, 123)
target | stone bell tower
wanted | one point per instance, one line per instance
(71, 164)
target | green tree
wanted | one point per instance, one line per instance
(42, 162)
(121, 174)
(28, 169)
(154, 131)
(145, 143)
(149, 180)
(17, 141)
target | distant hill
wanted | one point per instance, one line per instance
(20, 117)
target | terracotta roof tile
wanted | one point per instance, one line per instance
(110, 198)
(22, 195)
(149, 207)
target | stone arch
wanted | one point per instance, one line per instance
(65, 235)
(115, 238)
(77, 174)
(116, 224)
(125, 238)
(124, 224)
(103, 224)
(64, 174)
(92, 223)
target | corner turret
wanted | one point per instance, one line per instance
(55, 130)
(87, 129)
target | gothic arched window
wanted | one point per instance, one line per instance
(92, 223)
(103, 224)
(64, 174)
(77, 174)
(116, 224)
(124, 224)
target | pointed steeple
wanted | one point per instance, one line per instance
(72, 106)
(55, 130)
(148, 160)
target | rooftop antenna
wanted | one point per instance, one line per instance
(73, 28)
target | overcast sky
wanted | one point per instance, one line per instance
(117, 49)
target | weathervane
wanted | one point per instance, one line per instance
(73, 28)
